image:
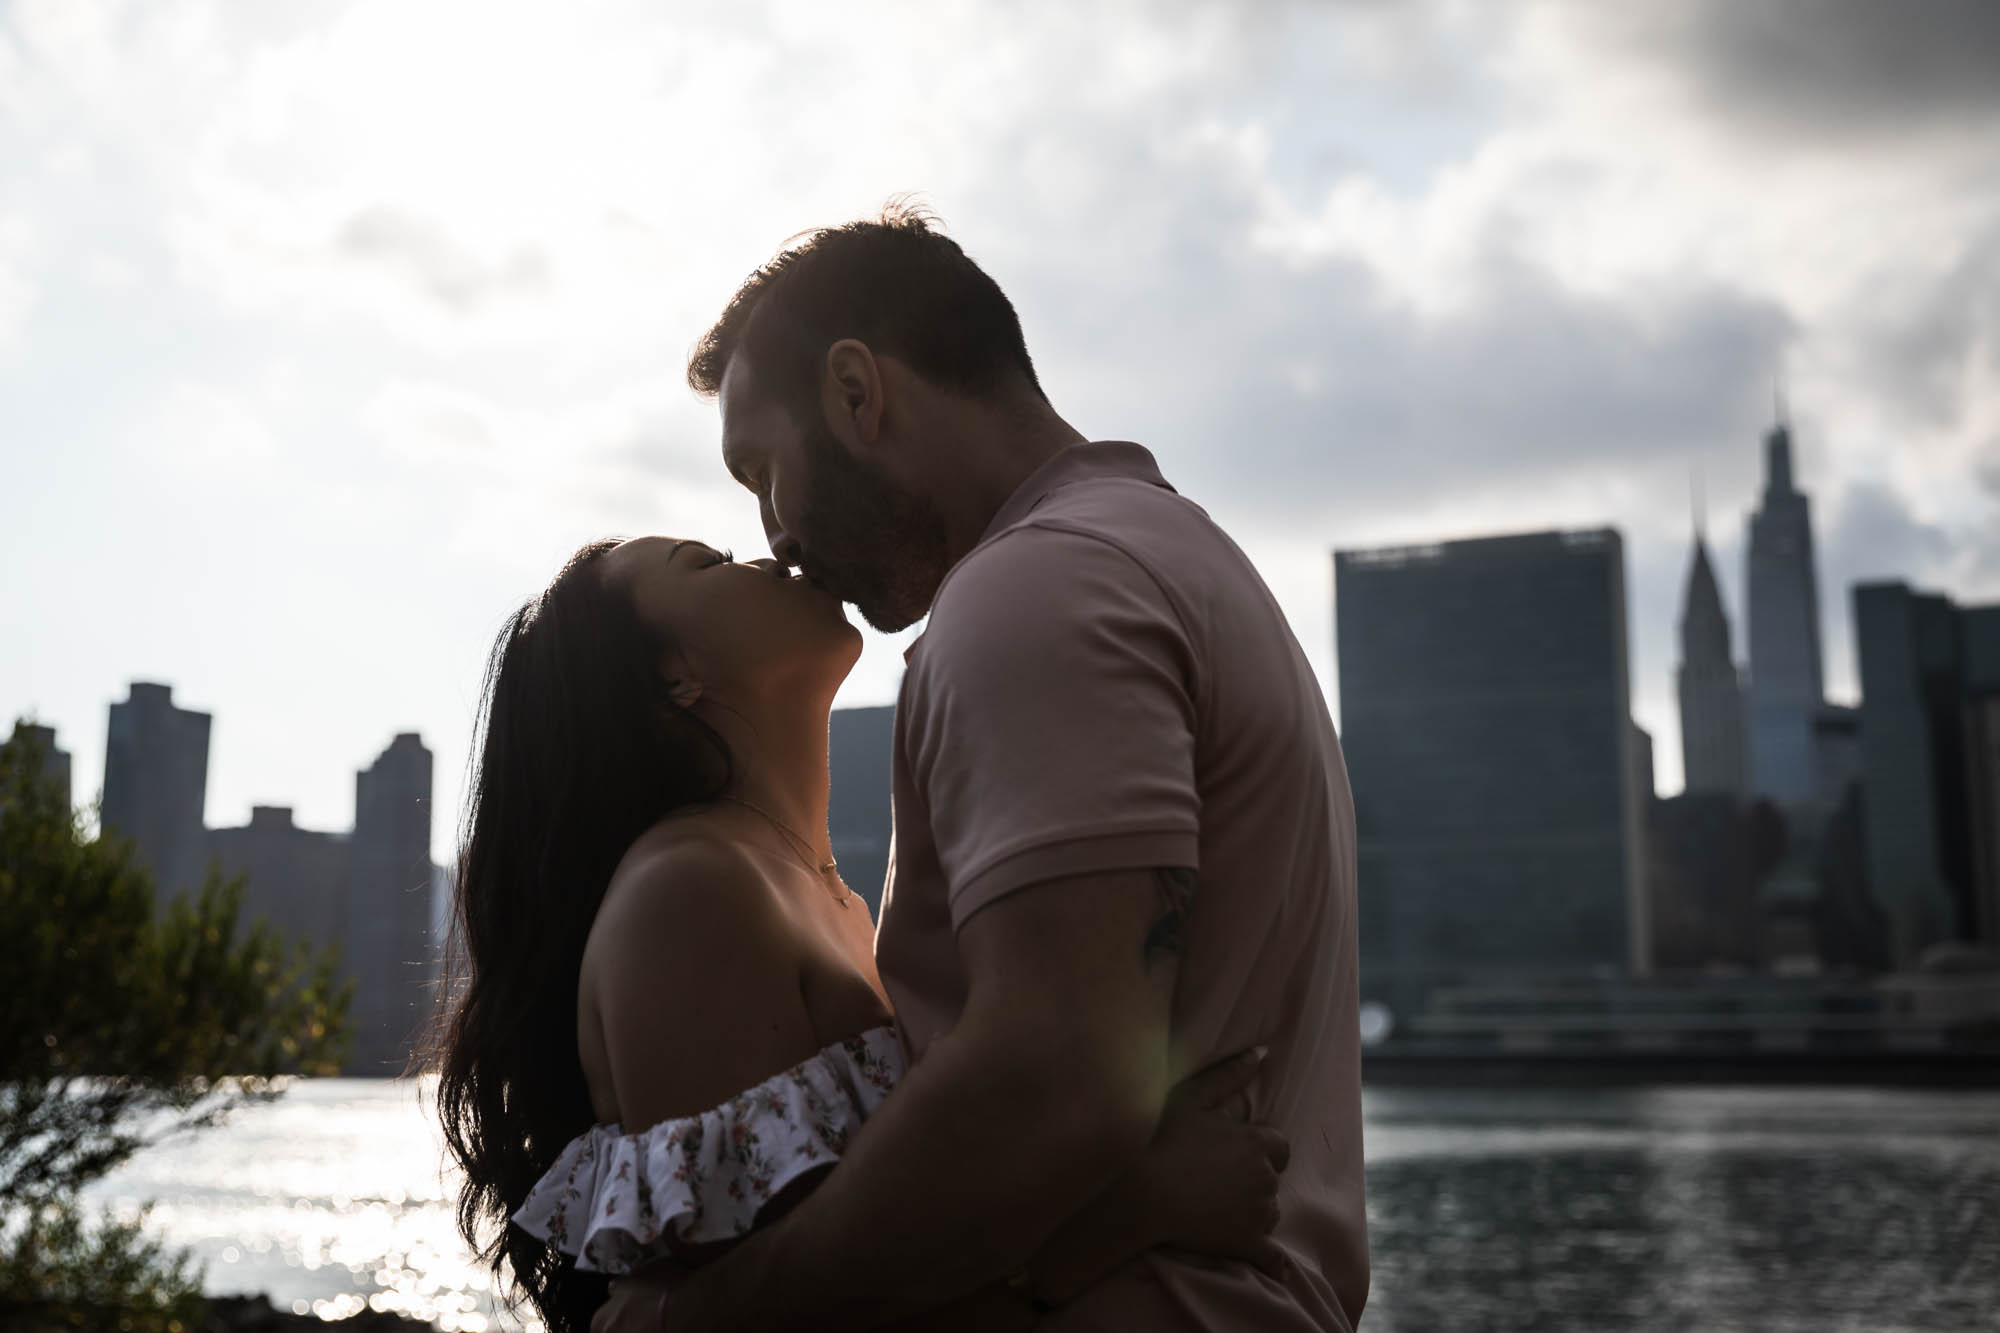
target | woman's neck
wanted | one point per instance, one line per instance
(779, 767)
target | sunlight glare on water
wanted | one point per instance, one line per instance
(1729, 1210)
(332, 1199)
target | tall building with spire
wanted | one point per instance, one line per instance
(1786, 689)
(1711, 689)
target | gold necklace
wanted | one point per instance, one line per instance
(800, 847)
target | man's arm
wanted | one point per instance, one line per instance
(1049, 1087)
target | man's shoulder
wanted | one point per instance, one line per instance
(1048, 571)
(1111, 526)
(1111, 506)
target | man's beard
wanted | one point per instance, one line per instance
(867, 540)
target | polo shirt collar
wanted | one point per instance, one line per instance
(1078, 462)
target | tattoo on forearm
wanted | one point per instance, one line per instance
(1166, 936)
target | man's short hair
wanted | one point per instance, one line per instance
(896, 283)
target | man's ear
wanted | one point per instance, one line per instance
(683, 691)
(851, 392)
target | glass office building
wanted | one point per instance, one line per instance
(1486, 719)
(860, 750)
(1930, 764)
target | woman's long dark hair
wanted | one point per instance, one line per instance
(580, 751)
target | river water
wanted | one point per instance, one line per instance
(1714, 1209)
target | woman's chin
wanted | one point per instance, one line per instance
(853, 639)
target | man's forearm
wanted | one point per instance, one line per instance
(956, 1181)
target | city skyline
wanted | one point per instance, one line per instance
(371, 892)
(1702, 594)
(301, 393)
(1495, 760)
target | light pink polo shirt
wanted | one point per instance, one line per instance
(1106, 683)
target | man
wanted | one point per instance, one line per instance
(1123, 834)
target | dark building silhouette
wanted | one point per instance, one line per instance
(1853, 933)
(372, 893)
(1486, 722)
(385, 943)
(55, 761)
(1837, 745)
(1930, 679)
(1788, 904)
(860, 746)
(1786, 687)
(1708, 852)
(1643, 781)
(297, 878)
(1713, 754)
(1982, 754)
(156, 785)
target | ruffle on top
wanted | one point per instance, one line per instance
(616, 1202)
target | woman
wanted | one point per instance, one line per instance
(666, 1016)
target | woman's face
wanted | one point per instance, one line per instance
(739, 627)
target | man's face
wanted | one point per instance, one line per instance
(844, 522)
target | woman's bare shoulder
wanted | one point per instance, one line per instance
(684, 890)
(690, 988)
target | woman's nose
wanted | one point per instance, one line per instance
(770, 566)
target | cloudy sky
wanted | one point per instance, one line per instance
(327, 329)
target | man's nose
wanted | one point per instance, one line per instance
(784, 550)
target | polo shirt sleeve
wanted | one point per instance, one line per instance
(1053, 719)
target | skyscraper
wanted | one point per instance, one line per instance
(55, 761)
(1486, 720)
(386, 946)
(1982, 739)
(297, 878)
(1644, 784)
(1786, 690)
(156, 785)
(860, 745)
(1930, 680)
(1711, 690)
(1705, 857)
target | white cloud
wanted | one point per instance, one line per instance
(17, 294)
(207, 430)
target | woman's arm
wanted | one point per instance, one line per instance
(1208, 1184)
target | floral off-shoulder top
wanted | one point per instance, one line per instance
(616, 1202)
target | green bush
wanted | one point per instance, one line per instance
(122, 1024)
(59, 1270)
